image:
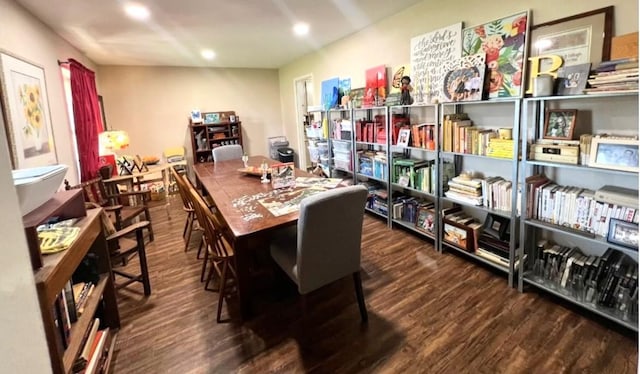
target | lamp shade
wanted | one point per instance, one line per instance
(113, 140)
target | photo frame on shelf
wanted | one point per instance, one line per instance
(211, 118)
(559, 123)
(578, 39)
(464, 79)
(425, 220)
(572, 80)
(403, 137)
(504, 42)
(196, 116)
(26, 111)
(623, 233)
(614, 153)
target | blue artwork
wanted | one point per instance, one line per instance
(330, 93)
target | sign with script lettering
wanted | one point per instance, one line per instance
(429, 53)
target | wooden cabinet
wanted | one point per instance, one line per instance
(56, 271)
(216, 129)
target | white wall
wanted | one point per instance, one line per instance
(153, 103)
(387, 42)
(23, 347)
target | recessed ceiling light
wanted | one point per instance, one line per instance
(301, 28)
(208, 54)
(137, 11)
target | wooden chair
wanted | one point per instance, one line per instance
(219, 252)
(325, 246)
(121, 214)
(187, 206)
(121, 248)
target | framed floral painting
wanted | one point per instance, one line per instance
(26, 109)
(504, 43)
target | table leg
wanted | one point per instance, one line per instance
(242, 265)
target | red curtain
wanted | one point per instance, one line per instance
(87, 117)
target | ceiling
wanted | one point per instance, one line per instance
(243, 33)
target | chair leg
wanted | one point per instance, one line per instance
(142, 254)
(200, 246)
(223, 284)
(147, 216)
(204, 263)
(357, 282)
(188, 232)
(186, 224)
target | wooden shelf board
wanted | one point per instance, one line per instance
(80, 327)
(58, 267)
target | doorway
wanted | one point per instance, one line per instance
(303, 87)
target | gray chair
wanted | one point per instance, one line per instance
(325, 246)
(227, 152)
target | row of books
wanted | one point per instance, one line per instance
(491, 192)
(461, 136)
(377, 199)
(69, 305)
(95, 350)
(419, 212)
(423, 136)
(614, 76)
(413, 173)
(609, 281)
(373, 164)
(578, 208)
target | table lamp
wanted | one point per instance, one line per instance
(115, 140)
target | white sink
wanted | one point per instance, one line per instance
(35, 186)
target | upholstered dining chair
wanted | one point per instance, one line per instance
(325, 246)
(219, 251)
(227, 152)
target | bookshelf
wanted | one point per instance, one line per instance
(216, 129)
(546, 237)
(57, 269)
(468, 143)
(371, 155)
(524, 120)
(413, 167)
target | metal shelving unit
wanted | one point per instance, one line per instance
(599, 120)
(508, 108)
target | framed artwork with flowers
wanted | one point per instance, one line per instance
(504, 43)
(26, 111)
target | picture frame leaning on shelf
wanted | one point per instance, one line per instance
(559, 123)
(616, 153)
(623, 233)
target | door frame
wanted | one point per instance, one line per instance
(300, 134)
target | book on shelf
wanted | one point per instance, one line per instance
(97, 352)
(88, 343)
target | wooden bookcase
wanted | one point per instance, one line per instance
(216, 129)
(57, 269)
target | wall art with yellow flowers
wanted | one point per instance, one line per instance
(504, 43)
(26, 110)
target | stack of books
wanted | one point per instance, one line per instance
(614, 76)
(465, 188)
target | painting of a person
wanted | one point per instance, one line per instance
(629, 158)
(559, 125)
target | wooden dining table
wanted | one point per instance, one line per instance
(234, 194)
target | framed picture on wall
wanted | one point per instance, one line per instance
(26, 108)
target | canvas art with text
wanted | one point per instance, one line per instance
(503, 41)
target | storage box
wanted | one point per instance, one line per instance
(342, 154)
(343, 164)
(564, 153)
(342, 146)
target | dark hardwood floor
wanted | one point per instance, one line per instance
(428, 313)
